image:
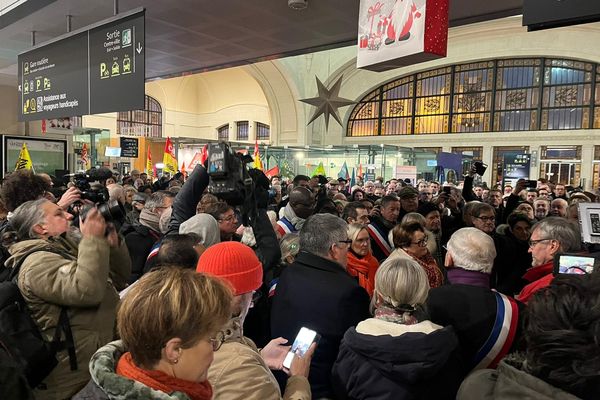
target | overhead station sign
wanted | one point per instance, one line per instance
(97, 69)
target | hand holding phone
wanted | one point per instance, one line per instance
(306, 337)
(573, 264)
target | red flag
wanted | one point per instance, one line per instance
(360, 170)
(183, 171)
(272, 172)
(204, 154)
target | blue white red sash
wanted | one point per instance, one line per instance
(284, 226)
(502, 336)
(380, 239)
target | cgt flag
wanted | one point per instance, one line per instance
(24, 160)
(257, 162)
(320, 170)
(149, 164)
(169, 159)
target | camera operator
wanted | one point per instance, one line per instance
(255, 212)
(59, 271)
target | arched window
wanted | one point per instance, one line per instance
(146, 122)
(263, 131)
(518, 94)
(223, 132)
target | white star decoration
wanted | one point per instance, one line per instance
(328, 102)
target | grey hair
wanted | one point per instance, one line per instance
(26, 217)
(401, 281)
(472, 249)
(320, 232)
(413, 217)
(156, 200)
(560, 229)
(290, 245)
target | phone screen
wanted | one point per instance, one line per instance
(578, 265)
(300, 346)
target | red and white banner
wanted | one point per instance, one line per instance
(396, 33)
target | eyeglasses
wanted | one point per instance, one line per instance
(422, 242)
(217, 341)
(228, 219)
(347, 241)
(532, 243)
(486, 219)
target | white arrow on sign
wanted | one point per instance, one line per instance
(139, 48)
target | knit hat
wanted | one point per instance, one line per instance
(426, 208)
(407, 192)
(234, 262)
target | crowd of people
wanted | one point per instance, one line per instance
(161, 290)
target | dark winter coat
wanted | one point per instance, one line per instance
(413, 365)
(139, 240)
(319, 294)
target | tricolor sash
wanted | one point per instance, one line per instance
(380, 239)
(501, 338)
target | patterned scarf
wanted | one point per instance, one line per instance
(158, 380)
(398, 315)
(434, 275)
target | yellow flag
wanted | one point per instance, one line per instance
(320, 170)
(169, 160)
(24, 161)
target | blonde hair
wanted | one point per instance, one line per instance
(290, 245)
(354, 230)
(169, 303)
(400, 281)
(413, 217)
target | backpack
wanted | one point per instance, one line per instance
(22, 337)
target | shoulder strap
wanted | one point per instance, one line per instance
(63, 325)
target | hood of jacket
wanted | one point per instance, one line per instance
(23, 248)
(409, 358)
(103, 366)
(514, 383)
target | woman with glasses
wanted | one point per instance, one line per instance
(398, 353)
(410, 241)
(361, 263)
(168, 324)
(240, 370)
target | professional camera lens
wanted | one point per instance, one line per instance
(112, 211)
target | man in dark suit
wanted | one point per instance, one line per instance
(316, 292)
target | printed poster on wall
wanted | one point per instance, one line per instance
(396, 33)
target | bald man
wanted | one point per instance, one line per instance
(300, 207)
(558, 208)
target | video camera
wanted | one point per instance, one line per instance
(229, 179)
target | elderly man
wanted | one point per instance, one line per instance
(380, 227)
(541, 206)
(470, 257)
(317, 292)
(141, 237)
(550, 236)
(301, 205)
(558, 208)
(409, 200)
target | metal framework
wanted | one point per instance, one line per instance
(517, 94)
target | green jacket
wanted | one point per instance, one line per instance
(509, 382)
(85, 278)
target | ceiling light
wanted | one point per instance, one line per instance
(297, 4)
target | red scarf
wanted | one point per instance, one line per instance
(364, 268)
(434, 275)
(158, 380)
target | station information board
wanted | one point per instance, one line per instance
(96, 69)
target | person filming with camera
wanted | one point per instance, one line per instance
(67, 282)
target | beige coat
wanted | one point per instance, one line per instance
(82, 278)
(239, 372)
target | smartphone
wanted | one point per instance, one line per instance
(480, 167)
(531, 183)
(447, 189)
(305, 338)
(573, 264)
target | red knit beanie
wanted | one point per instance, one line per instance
(234, 262)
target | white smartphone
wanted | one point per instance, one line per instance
(305, 338)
